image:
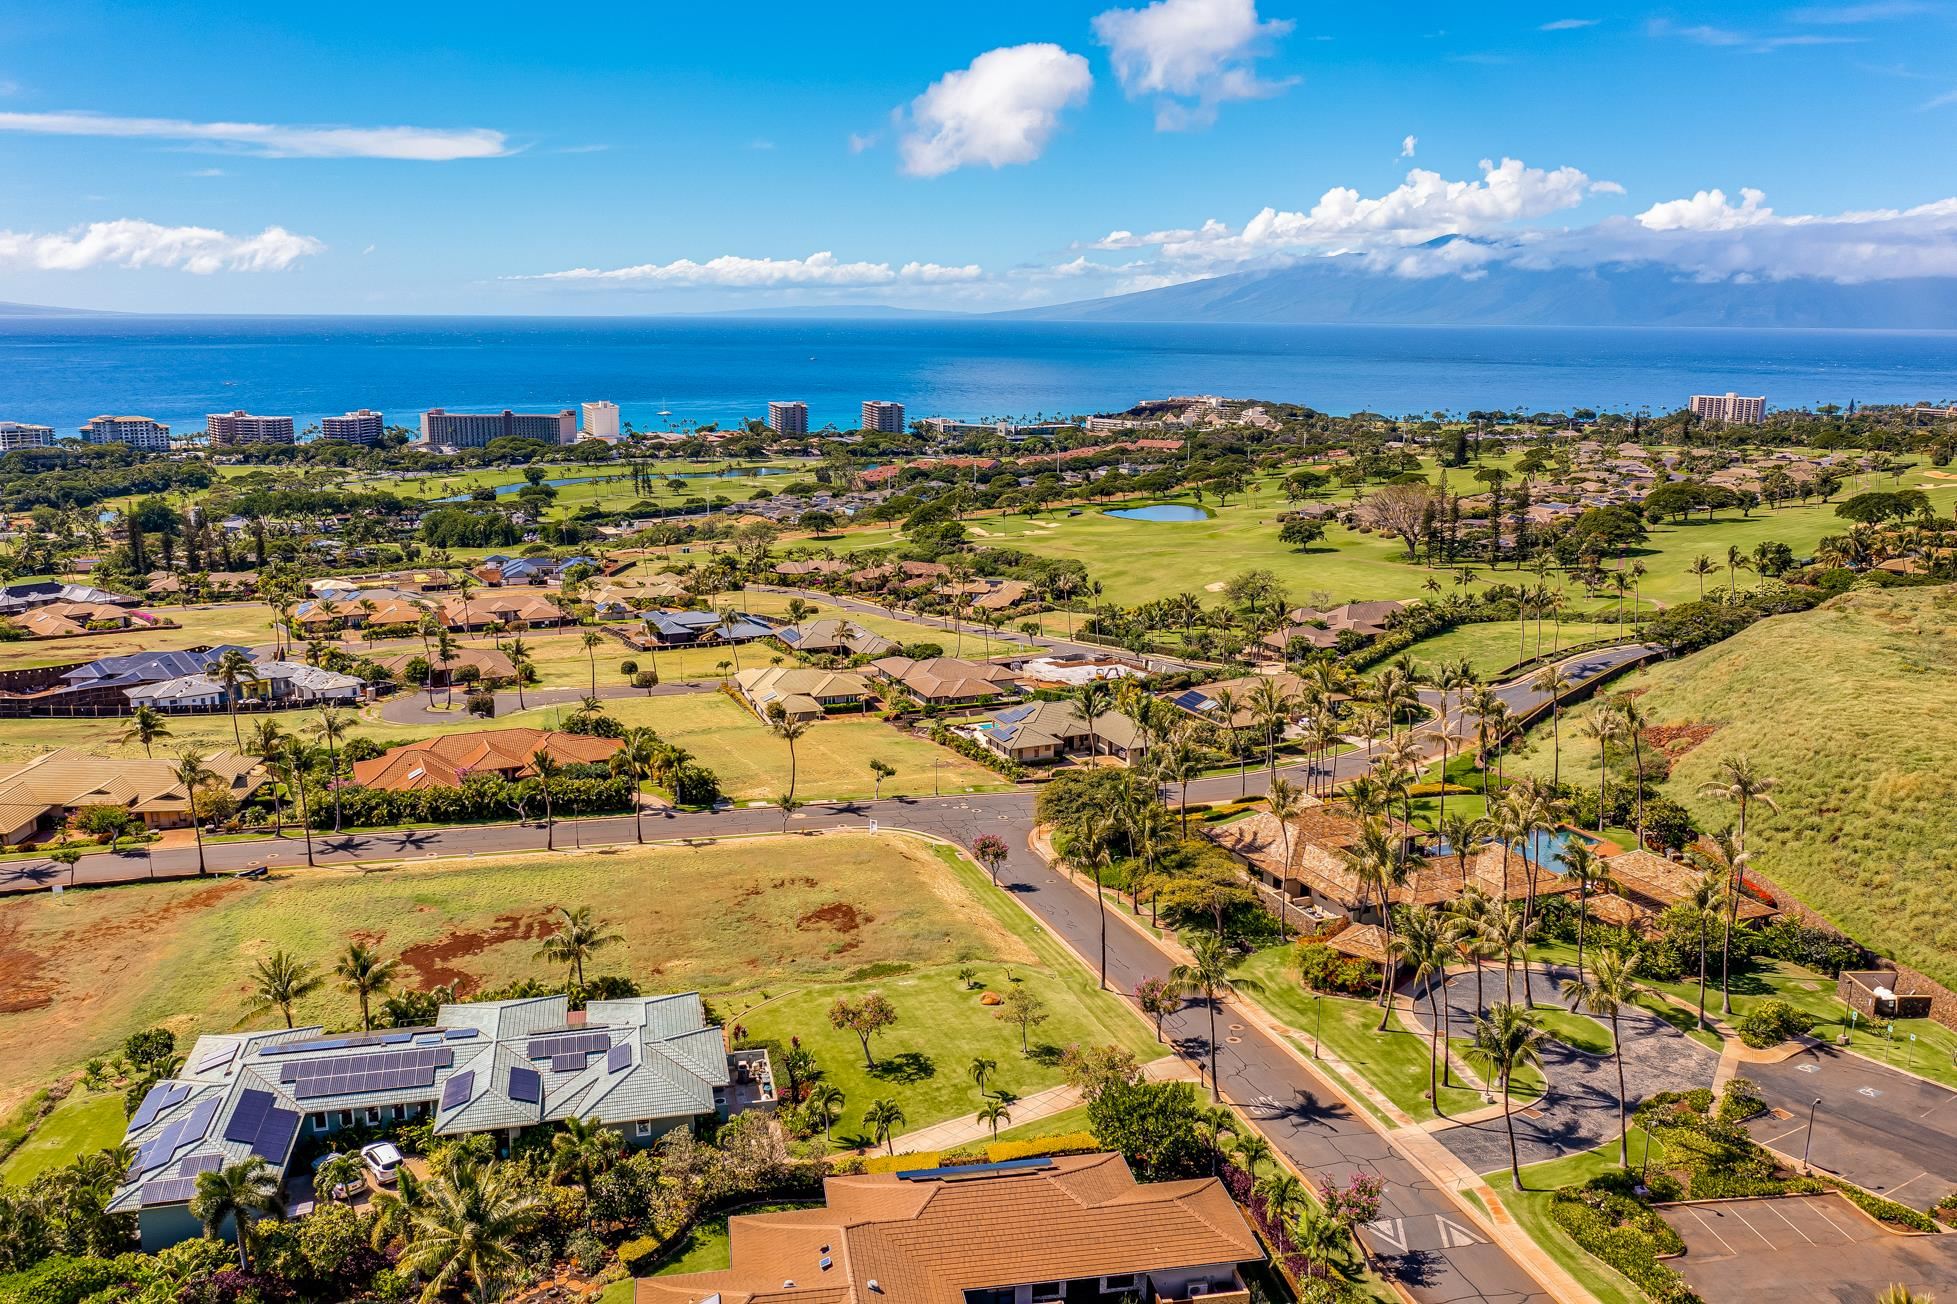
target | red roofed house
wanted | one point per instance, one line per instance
(446, 761)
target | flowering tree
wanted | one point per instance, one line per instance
(991, 851)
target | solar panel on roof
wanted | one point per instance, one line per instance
(162, 1096)
(457, 1089)
(249, 1116)
(398, 1038)
(618, 1057)
(197, 1122)
(458, 1034)
(570, 1063)
(526, 1085)
(275, 1136)
(200, 1164)
(217, 1059)
(170, 1190)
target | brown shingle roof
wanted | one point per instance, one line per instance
(928, 1242)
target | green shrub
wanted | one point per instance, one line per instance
(1771, 1022)
(1625, 1234)
(641, 1255)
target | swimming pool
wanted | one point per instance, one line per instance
(1545, 847)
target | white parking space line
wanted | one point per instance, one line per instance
(1712, 1231)
(1891, 1193)
(1820, 1207)
(1781, 1136)
(1790, 1223)
(1735, 1211)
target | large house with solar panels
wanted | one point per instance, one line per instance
(640, 1066)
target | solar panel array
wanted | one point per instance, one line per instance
(217, 1059)
(574, 1043)
(458, 1088)
(188, 1130)
(1193, 701)
(572, 1062)
(393, 1037)
(162, 1096)
(618, 1057)
(200, 1164)
(346, 1075)
(526, 1085)
(179, 1189)
(260, 1122)
(460, 1034)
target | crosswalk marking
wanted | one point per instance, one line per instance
(1453, 1234)
(1391, 1230)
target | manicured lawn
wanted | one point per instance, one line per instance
(756, 916)
(1845, 708)
(79, 1125)
(1395, 1061)
(924, 1061)
(248, 624)
(1577, 1030)
(708, 1249)
(1531, 1209)
(1064, 1123)
(1494, 646)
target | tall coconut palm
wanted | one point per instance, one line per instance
(239, 1194)
(1603, 725)
(1273, 708)
(520, 660)
(638, 760)
(1207, 974)
(474, 1214)
(332, 730)
(1722, 854)
(1739, 783)
(1632, 722)
(827, 1100)
(592, 638)
(1285, 802)
(291, 764)
(789, 730)
(147, 726)
(233, 668)
(546, 767)
(579, 936)
(195, 774)
(1376, 862)
(1702, 566)
(266, 741)
(1283, 1196)
(279, 982)
(1092, 700)
(1423, 944)
(1707, 896)
(362, 971)
(1550, 681)
(1589, 871)
(1610, 987)
(1507, 1039)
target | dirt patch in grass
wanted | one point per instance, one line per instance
(433, 963)
(30, 980)
(839, 915)
(1676, 740)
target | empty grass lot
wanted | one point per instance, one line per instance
(1495, 646)
(82, 1124)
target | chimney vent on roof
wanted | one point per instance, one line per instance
(874, 1288)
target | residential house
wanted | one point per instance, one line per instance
(229, 584)
(704, 628)
(833, 636)
(489, 664)
(813, 567)
(948, 681)
(1040, 732)
(359, 609)
(987, 594)
(445, 761)
(1072, 669)
(802, 693)
(270, 684)
(1641, 885)
(98, 687)
(18, 598)
(1205, 701)
(66, 619)
(42, 795)
(1074, 1228)
(501, 571)
(1321, 629)
(514, 610)
(639, 1067)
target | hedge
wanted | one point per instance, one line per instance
(1883, 1211)
(972, 751)
(1067, 1143)
(482, 796)
(1627, 1236)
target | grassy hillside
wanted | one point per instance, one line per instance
(1848, 707)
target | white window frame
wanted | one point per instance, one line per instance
(642, 1127)
(1047, 1292)
(1120, 1283)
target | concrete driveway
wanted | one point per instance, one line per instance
(1816, 1247)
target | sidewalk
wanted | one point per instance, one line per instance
(971, 1130)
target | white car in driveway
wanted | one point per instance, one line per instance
(383, 1161)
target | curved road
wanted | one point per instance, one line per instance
(1432, 1250)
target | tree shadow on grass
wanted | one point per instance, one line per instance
(1046, 1054)
(905, 1067)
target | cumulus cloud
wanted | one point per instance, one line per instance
(1002, 109)
(1707, 211)
(133, 243)
(1569, 24)
(822, 269)
(1193, 55)
(1407, 145)
(1426, 205)
(422, 144)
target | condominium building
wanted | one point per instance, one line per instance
(1729, 408)
(226, 429)
(882, 416)
(362, 427)
(16, 434)
(788, 418)
(601, 420)
(138, 432)
(476, 429)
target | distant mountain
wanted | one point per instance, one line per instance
(42, 310)
(1340, 291)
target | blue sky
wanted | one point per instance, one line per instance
(219, 157)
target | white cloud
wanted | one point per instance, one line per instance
(1000, 110)
(425, 144)
(1942, 101)
(1707, 211)
(862, 140)
(1874, 11)
(1407, 146)
(1426, 205)
(1569, 24)
(1752, 43)
(735, 272)
(1192, 54)
(133, 243)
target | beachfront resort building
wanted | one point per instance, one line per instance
(640, 1067)
(1729, 408)
(887, 418)
(231, 429)
(18, 434)
(440, 427)
(600, 420)
(141, 433)
(790, 418)
(361, 427)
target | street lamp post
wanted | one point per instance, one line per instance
(1807, 1146)
(1318, 1004)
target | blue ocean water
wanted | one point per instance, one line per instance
(61, 371)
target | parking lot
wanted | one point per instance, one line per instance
(1803, 1247)
(1885, 1131)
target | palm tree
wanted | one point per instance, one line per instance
(238, 1193)
(579, 936)
(788, 730)
(146, 725)
(1251, 1152)
(266, 741)
(982, 1070)
(1283, 1196)
(1722, 856)
(1423, 943)
(1742, 785)
(473, 1216)
(592, 638)
(883, 1118)
(1609, 988)
(546, 767)
(1208, 974)
(1285, 801)
(1585, 868)
(1707, 895)
(1273, 707)
(362, 972)
(995, 1112)
(1320, 1236)
(233, 668)
(583, 1150)
(827, 1100)
(1507, 935)
(1550, 680)
(195, 774)
(1506, 1040)
(279, 982)
(518, 653)
(1603, 725)
(1092, 700)
(331, 729)
(291, 763)
(638, 760)
(1702, 566)
(1376, 862)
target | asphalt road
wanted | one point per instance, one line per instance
(1884, 1130)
